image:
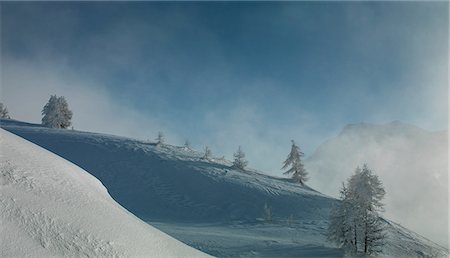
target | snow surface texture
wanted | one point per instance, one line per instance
(205, 203)
(50, 207)
(412, 164)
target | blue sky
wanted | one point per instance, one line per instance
(224, 74)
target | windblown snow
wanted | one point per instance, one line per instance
(206, 203)
(50, 207)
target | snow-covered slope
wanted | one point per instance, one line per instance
(171, 183)
(411, 162)
(50, 207)
(206, 203)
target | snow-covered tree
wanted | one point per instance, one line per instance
(207, 154)
(296, 166)
(342, 229)
(239, 159)
(368, 192)
(187, 145)
(56, 113)
(290, 220)
(267, 213)
(4, 111)
(369, 188)
(160, 139)
(355, 223)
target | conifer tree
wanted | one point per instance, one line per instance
(267, 213)
(187, 145)
(160, 139)
(355, 223)
(4, 111)
(56, 113)
(342, 229)
(368, 192)
(239, 159)
(207, 154)
(294, 161)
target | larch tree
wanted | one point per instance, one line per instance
(267, 213)
(294, 161)
(355, 224)
(343, 228)
(56, 113)
(207, 154)
(187, 145)
(4, 111)
(368, 194)
(160, 138)
(239, 159)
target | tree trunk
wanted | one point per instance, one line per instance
(355, 239)
(365, 237)
(365, 244)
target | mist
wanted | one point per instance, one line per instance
(29, 87)
(270, 74)
(411, 162)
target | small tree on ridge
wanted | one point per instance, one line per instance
(4, 111)
(187, 145)
(56, 113)
(207, 154)
(160, 139)
(239, 159)
(296, 166)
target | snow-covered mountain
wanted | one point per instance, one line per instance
(411, 162)
(49, 207)
(205, 203)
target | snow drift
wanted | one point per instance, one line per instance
(51, 207)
